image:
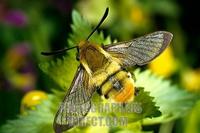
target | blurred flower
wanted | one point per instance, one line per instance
(18, 68)
(23, 81)
(12, 17)
(16, 55)
(137, 15)
(31, 99)
(15, 18)
(190, 79)
(165, 64)
(93, 11)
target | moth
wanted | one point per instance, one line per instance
(102, 69)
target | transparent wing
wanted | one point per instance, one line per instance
(76, 103)
(141, 50)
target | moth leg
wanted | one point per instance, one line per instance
(106, 96)
(124, 105)
(131, 72)
(99, 91)
(137, 90)
(102, 45)
(133, 76)
(77, 56)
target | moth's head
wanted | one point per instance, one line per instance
(83, 44)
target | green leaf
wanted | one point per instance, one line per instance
(39, 120)
(148, 106)
(61, 70)
(142, 107)
(81, 29)
(173, 101)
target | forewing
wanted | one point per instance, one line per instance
(76, 103)
(141, 50)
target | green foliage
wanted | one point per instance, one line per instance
(143, 106)
(156, 94)
(61, 70)
(173, 101)
(36, 121)
(149, 109)
(81, 29)
(192, 121)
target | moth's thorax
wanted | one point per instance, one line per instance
(92, 56)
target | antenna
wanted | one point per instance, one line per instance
(57, 52)
(100, 22)
(65, 49)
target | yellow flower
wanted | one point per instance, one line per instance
(137, 15)
(31, 99)
(165, 64)
(24, 81)
(16, 57)
(191, 79)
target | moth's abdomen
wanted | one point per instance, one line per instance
(119, 87)
(127, 92)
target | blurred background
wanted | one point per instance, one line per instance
(29, 27)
